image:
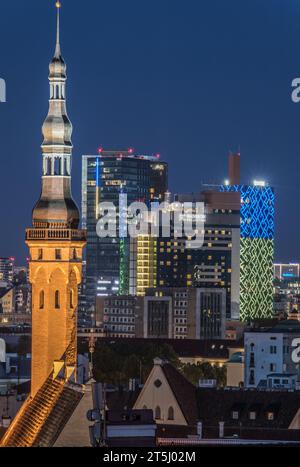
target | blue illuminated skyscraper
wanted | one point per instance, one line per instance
(256, 250)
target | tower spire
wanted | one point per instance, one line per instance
(57, 48)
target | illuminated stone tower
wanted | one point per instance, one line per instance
(55, 243)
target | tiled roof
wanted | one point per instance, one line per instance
(41, 419)
(184, 392)
(216, 405)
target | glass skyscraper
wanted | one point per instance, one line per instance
(104, 178)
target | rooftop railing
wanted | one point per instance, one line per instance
(55, 234)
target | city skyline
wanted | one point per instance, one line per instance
(255, 113)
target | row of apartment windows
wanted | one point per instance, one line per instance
(121, 320)
(180, 321)
(119, 303)
(117, 311)
(119, 328)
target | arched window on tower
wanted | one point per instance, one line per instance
(57, 166)
(42, 300)
(66, 172)
(49, 167)
(57, 300)
(71, 299)
(157, 413)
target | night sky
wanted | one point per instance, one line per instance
(190, 80)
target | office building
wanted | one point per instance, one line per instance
(214, 265)
(116, 315)
(268, 356)
(287, 271)
(104, 178)
(185, 313)
(256, 249)
(7, 266)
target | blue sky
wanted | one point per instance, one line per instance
(190, 80)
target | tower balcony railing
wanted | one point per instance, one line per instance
(56, 234)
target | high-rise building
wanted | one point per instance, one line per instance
(216, 263)
(7, 266)
(257, 249)
(183, 313)
(104, 178)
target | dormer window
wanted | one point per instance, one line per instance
(235, 415)
(270, 416)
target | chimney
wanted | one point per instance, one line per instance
(234, 169)
(221, 429)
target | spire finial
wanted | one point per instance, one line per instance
(58, 50)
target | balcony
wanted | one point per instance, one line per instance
(55, 234)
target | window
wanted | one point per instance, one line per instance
(273, 349)
(40, 254)
(157, 383)
(58, 254)
(42, 300)
(57, 300)
(74, 254)
(157, 413)
(272, 367)
(270, 416)
(252, 415)
(171, 413)
(235, 415)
